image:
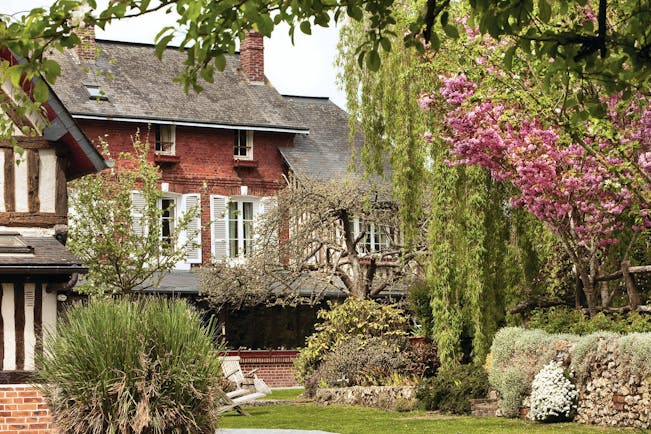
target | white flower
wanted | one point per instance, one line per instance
(553, 396)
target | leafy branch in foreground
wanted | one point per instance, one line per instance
(116, 226)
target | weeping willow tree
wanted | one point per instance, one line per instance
(476, 264)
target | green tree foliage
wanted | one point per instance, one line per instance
(473, 261)
(353, 318)
(120, 242)
(132, 367)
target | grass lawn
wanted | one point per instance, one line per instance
(358, 420)
(285, 394)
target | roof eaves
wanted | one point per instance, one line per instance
(192, 123)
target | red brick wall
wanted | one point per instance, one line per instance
(206, 162)
(276, 368)
(23, 410)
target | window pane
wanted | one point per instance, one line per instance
(167, 220)
(232, 229)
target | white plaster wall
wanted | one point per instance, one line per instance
(29, 337)
(47, 179)
(9, 331)
(49, 312)
(20, 169)
(29, 232)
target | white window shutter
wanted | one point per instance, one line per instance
(189, 202)
(138, 205)
(218, 227)
(267, 204)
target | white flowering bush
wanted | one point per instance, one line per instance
(553, 396)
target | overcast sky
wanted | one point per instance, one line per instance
(305, 68)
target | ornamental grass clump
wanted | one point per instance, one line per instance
(147, 366)
(553, 396)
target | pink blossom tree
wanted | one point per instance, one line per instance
(586, 198)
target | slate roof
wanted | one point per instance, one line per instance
(140, 86)
(49, 255)
(326, 151)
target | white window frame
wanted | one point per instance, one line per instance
(175, 209)
(220, 223)
(158, 141)
(239, 221)
(367, 245)
(248, 146)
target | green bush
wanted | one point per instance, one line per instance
(120, 366)
(419, 300)
(352, 318)
(453, 388)
(363, 362)
(566, 320)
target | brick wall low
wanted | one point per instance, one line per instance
(276, 368)
(23, 410)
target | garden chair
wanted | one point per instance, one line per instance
(248, 387)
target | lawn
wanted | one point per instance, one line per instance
(285, 394)
(358, 420)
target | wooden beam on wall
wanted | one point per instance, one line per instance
(33, 163)
(38, 219)
(10, 181)
(61, 200)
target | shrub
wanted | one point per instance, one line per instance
(419, 300)
(423, 360)
(360, 318)
(146, 366)
(636, 353)
(553, 396)
(453, 388)
(363, 362)
(566, 320)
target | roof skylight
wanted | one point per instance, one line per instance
(95, 92)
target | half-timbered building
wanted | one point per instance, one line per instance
(47, 150)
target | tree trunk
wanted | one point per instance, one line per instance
(589, 292)
(606, 295)
(633, 294)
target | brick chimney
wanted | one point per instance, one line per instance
(87, 51)
(252, 56)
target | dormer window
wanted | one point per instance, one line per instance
(243, 145)
(94, 92)
(165, 140)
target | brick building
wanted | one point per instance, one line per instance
(226, 148)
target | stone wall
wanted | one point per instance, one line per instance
(612, 396)
(23, 410)
(369, 396)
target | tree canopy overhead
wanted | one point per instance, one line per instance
(600, 40)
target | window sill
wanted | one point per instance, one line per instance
(244, 164)
(166, 158)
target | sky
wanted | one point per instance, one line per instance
(305, 68)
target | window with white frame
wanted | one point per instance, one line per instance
(376, 237)
(232, 224)
(243, 145)
(240, 228)
(167, 206)
(165, 143)
(172, 206)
